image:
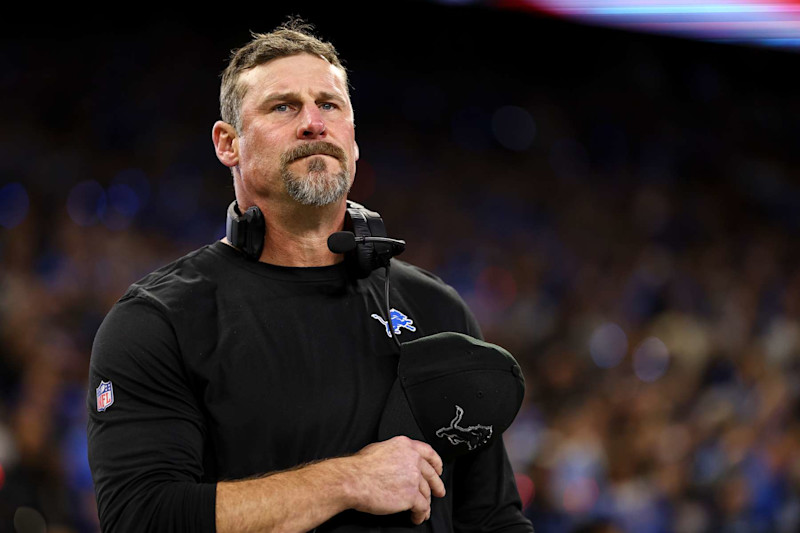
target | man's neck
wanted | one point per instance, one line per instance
(297, 235)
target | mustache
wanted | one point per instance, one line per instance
(313, 148)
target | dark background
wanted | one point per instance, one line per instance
(619, 210)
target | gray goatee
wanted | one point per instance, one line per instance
(318, 187)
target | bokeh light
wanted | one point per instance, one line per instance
(14, 204)
(580, 495)
(123, 199)
(650, 360)
(514, 128)
(86, 203)
(526, 488)
(136, 180)
(29, 520)
(123, 204)
(608, 345)
(496, 287)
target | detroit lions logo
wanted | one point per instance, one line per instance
(399, 320)
(472, 436)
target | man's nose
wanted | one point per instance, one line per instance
(311, 125)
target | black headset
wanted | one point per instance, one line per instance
(246, 231)
(365, 244)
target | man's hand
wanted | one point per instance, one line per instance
(396, 475)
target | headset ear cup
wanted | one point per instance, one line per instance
(364, 223)
(360, 259)
(246, 231)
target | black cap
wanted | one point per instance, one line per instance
(453, 391)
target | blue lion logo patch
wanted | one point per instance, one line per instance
(399, 320)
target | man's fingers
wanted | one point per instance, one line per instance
(421, 509)
(424, 488)
(429, 454)
(432, 479)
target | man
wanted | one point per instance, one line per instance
(245, 395)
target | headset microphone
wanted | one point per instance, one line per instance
(343, 242)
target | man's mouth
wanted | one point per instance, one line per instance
(315, 148)
(312, 155)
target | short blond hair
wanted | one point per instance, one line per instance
(291, 38)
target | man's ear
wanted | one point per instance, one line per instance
(357, 151)
(226, 143)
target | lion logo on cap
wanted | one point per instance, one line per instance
(472, 436)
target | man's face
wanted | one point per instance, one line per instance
(298, 133)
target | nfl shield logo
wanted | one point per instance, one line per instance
(105, 396)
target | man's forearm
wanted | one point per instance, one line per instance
(388, 477)
(293, 500)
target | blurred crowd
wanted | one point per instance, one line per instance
(625, 231)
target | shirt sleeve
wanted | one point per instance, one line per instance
(146, 436)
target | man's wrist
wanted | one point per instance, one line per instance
(342, 472)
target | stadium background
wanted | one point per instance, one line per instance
(618, 209)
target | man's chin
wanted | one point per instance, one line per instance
(316, 188)
(314, 167)
(320, 201)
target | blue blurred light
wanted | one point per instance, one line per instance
(74, 452)
(514, 128)
(136, 180)
(651, 360)
(780, 42)
(608, 345)
(123, 199)
(86, 203)
(14, 205)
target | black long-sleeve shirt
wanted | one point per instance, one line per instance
(223, 368)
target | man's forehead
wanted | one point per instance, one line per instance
(296, 72)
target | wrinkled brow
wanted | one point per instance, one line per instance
(292, 96)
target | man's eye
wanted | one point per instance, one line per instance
(327, 106)
(281, 108)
